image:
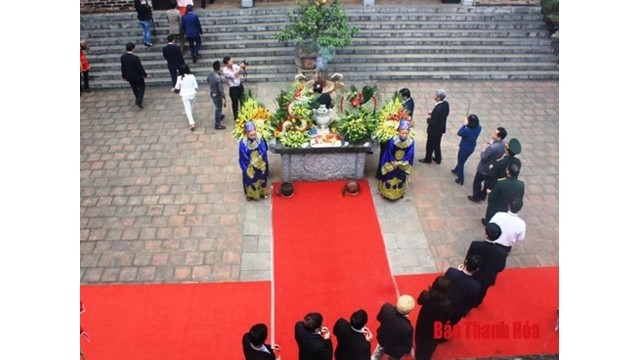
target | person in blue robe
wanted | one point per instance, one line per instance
(254, 163)
(396, 163)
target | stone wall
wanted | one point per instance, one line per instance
(87, 6)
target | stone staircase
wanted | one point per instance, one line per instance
(412, 42)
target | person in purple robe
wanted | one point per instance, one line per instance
(254, 163)
(396, 163)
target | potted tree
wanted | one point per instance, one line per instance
(316, 27)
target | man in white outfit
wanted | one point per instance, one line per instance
(513, 227)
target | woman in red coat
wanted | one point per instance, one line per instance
(84, 66)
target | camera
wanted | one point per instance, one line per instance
(244, 65)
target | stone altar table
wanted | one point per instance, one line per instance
(323, 163)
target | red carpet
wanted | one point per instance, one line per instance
(182, 321)
(521, 308)
(329, 257)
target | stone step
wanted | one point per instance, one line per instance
(339, 61)
(117, 44)
(222, 36)
(256, 53)
(164, 79)
(272, 28)
(352, 12)
(288, 71)
(420, 43)
(234, 21)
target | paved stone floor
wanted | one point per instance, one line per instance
(161, 204)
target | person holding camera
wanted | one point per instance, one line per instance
(232, 73)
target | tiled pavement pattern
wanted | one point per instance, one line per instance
(161, 204)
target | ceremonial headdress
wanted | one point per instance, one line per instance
(404, 125)
(249, 125)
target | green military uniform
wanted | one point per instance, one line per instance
(498, 169)
(506, 190)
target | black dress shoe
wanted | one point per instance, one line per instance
(470, 197)
(453, 171)
(140, 106)
(458, 181)
(221, 117)
(425, 161)
(220, 127)
(483, 221)
(437, 161)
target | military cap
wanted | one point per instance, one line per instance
(514, 146)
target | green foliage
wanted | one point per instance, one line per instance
(294, 139)
(551, 12)
(321, 23)
(367, 92)
(358, 125)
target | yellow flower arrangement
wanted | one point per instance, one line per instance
(389, 120)
(251, 110)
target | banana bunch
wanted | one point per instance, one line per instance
(294, 139)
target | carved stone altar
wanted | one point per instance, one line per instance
(328, 163)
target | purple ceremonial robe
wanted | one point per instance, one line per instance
(255, 167)
(393, 182)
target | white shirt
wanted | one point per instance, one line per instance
(233, 80)
(187, 85)
(512, 226)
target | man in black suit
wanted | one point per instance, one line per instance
(174, 58)
(313, 339)
(254, 346)
(133, 72)
(494, 258)
(464, 290)
(354, 338)
(436, 127)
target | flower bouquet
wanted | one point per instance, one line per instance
(389, 120)
(251, 110)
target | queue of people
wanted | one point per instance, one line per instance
(443, 304)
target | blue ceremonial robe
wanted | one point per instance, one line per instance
(393, 183)
(255, 167)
